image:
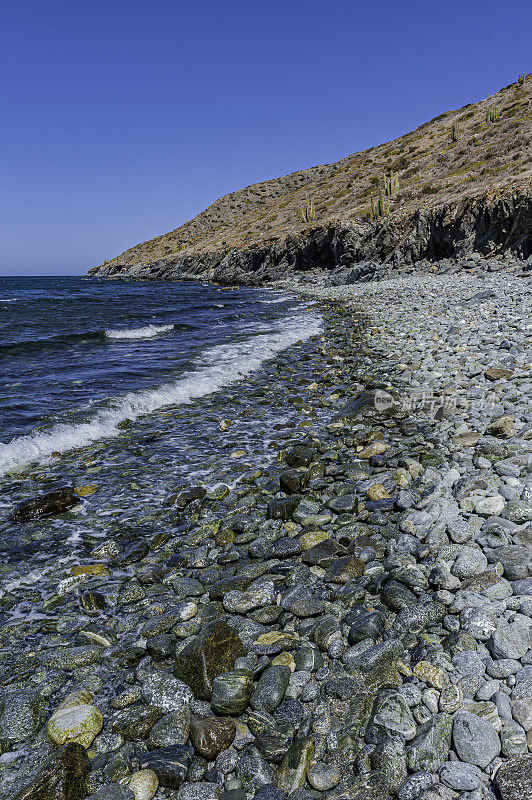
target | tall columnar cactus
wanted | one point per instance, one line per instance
(308, 211)
(380, 207)
(391, 183)
(521, 78)
(492, 114)
(455, 132)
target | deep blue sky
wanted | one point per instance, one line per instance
(123, 118)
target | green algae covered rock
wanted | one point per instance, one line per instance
(431, 746)
(212, 652)
(79, 724)
(62, 777)
(293, 769)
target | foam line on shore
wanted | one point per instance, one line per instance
(217, 367)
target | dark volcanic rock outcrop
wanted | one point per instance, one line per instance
(491, 224)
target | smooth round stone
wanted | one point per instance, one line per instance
(394, 717)
(113, 791)
(199, 791)
(21, 715)
(430, 700)
(274, 642)
(377, 492)
(470, 562)
(270, 689)
(269, 792)
(511, 641)
(259, 721)
(502, 703)
(81, 724)
(290, 711)
(522, 710)
(161, 647)
(135, 723)
(460, 777)
(255, 772)
(451, 697)
(513, 739)
(427, 672)
(411, 693)
(323, 776)
(327, 633)
(283, 508)
(144, 784)
(477, 623)
(231, 691)
(431, 745)
(311, 538)
(308, 607)
(70, 658)
(371, 626)
(170, 764)
(514, 778)
(487, 691)
(286, 547)
(310, 692)
(347, 503)
(308, 658)
(416, 784)
(256, 597)
(285, 660)
(92, 601)
(166, 692)
(171, 729)
(233, 794)
(298, 681)
(126, 698)
(475, 740)
(273, 743)
(519, 511)
(294, 767)
(490, 506)
(211, 735)
(484, 709)
(459, 530)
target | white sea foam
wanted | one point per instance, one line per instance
(276, 300)
(216, 368)
(148, 332)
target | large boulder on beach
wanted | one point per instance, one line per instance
(212, 652)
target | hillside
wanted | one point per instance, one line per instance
(473, 161)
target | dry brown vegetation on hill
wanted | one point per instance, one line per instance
(460, 153)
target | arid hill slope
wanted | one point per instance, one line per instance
(458, 157)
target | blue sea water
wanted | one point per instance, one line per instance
(125, 392)
(79, 357)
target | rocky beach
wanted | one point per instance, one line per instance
(343, 609)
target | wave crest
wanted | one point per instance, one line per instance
(148, 332)
(219, 366)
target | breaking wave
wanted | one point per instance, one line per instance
(217, 367)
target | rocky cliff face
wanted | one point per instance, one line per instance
(459, 183)
(491, 223)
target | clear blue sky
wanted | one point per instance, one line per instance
(123, 118)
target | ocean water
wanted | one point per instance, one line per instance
(135, 389)
(80, 356)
